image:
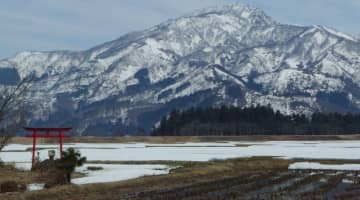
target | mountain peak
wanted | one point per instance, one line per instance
(238, 9)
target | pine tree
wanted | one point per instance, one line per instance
(69, 161)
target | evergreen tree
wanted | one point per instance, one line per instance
(69, 161)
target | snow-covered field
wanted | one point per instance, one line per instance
(197, 151)
(186, 152)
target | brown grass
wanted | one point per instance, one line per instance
(189, 174)
(10, 173)
(182, 139)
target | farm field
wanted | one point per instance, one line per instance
(292, 169)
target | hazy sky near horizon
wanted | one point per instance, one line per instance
(80, 24)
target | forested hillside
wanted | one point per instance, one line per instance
(259, 120)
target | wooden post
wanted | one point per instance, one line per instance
(34, 148)
(61, 143)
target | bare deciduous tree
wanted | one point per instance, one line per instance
(12, 112)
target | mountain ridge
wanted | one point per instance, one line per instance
(233, 55)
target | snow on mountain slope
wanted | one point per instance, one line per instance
(234, 55)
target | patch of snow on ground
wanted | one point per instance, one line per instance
(113, 173)
(109, 173)
(318, 166)
(348, 181)
(23, 166)
(35, 186)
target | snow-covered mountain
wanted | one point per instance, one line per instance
(234, 55)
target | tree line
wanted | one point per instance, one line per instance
(255, 120)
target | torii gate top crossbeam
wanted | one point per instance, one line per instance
(47, 129)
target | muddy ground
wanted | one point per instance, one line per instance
(247, 178)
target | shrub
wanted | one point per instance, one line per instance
(70, 160)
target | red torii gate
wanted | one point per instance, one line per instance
(47, 134)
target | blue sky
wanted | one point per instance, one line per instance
(81, 24)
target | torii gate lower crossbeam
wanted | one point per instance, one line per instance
(47, 134)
